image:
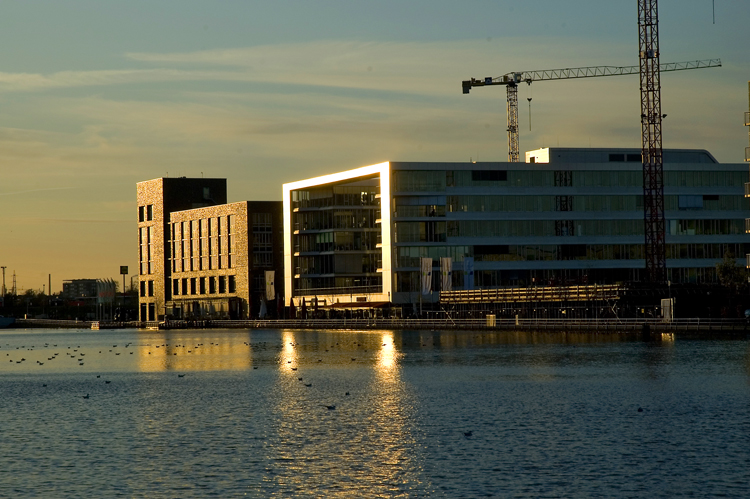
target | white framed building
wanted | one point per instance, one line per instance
(566, 216)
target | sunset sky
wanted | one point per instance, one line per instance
(96, 96)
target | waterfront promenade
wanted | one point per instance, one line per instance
(738, 326)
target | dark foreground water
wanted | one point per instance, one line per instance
(229, 413)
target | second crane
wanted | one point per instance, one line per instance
(512, 80)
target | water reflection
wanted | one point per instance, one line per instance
(344, 416)
(194, 351)
(288, 360)
(386, 363)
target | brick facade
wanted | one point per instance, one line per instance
(202, 258)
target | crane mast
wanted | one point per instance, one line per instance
(651, 142)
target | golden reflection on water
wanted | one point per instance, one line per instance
(193, 351)
(289, 358)
(366, 438)
(386, 359)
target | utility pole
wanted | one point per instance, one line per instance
(4, 267)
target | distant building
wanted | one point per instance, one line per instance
(197, 254)
(566, 216)
(79, 288)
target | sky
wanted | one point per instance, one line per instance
(97, 96)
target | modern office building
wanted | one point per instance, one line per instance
(200, 257)
(566, 216)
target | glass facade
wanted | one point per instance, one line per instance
(550, 224)
(335, 239)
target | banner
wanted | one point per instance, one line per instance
(270, 290)
(468, 272)
(426, 264)
(446, 274)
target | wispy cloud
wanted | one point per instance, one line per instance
(29, 191)
(417, 68)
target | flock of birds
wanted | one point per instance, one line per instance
(76, 354)
(70, 352)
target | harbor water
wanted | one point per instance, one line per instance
(283, 413)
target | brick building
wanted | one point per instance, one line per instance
(200, 257)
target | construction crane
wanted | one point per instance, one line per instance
(651, 142)
(512, 80)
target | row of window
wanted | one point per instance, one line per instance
(146, 213)
(147, 288)
(337, 241)
(425, 180)
(573, 203)
(262, 240)
(409, 256)
(337, 195)
(339, 264)
(337, 219)
(193, 286)
(145, 250)
(339, 284)
(202, 244)
(411, 232)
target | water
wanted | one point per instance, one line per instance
(223, 413)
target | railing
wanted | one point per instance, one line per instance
(747, 261)
(747, 118)
(747, 154)
(747, 226)
(540, 294)
(747, 189)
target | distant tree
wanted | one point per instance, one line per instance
(729, 273)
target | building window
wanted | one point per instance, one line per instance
(141, 214)
(192, 286)
(203, 285)
(151, 288)
(176, 287)
(212, 285)
(149, 248)
(232, 284)
(150, 212)
(222, 284)
(143, 288)
(141, 252)
(489, 175)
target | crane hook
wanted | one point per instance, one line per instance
(529, 99)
